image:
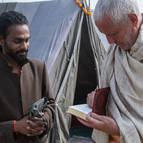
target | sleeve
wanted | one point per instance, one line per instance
(46, 92)
(6, 132)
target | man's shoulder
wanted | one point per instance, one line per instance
(36, 63)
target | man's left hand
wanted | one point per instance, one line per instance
(36, 124)
(103, 123)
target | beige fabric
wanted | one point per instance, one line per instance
(123, 72)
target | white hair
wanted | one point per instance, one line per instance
(117, 10)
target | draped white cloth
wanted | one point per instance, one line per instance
(123, 72)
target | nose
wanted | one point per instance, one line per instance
(25, 45)
(110, 39)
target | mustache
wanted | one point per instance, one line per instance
(21, 51)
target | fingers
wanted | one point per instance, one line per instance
(103, 123)
(84, 122)
(96, 116)
(35, 128)
(39, 121)
(36, 119)
(32, 127)
(90, 98)
(38, 124)
(34, 132)
(95, 121)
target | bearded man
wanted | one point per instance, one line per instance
(23, 81)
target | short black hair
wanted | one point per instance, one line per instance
(11, 18)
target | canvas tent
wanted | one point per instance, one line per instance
(66, 39)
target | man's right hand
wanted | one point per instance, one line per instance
(32, 127)
(90, 99)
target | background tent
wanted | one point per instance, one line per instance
(66, 39)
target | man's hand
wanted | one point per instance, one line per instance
(30, 127)
(90, 99)
(103, 123)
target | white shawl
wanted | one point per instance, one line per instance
(123, 72)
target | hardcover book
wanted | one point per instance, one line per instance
(100, 101)
(99, 105)
(80, 110)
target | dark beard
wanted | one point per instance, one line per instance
(20, 59)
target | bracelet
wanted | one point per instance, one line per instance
(14, 126)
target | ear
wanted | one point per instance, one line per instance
(1, 41)
(133, 18)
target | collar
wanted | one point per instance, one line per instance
(137, 49)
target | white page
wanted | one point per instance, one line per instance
(83, 108)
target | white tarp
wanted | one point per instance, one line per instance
(63, 37)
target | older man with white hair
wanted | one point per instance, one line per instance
(121, 22)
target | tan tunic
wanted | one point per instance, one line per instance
(123, 72)
(18, 93)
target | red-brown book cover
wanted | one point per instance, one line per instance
(100, 100)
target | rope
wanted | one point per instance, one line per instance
(88, 12)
